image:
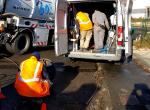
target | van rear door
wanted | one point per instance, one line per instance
(61, 36)
(128, 38)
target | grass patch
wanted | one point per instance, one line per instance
(144, 42)
(140, 19)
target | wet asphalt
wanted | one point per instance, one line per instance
(128, 84)
(72, 88)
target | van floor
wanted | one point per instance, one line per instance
(109, 48)
(94, 55)
(102, 51)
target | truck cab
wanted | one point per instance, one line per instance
(25, 24)
(67, 36)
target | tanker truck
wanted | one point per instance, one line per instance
(25, 24)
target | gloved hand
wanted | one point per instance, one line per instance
(77, 36)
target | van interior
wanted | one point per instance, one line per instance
(106, 7)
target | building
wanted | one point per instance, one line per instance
(141, 9)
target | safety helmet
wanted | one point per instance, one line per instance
(37, 55)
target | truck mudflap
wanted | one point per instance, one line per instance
(95, 56)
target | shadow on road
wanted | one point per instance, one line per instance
(60, 99)
(75, 100)
(64, 75)
(139, 99)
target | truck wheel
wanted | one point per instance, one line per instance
(20, 45)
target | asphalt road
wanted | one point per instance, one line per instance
(72, 88)
(75, 85)
(128, 85)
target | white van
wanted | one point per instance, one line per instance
(67, 39)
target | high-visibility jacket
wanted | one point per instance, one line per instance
(84, 21)
(29, 80)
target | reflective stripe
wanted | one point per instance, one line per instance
(40, 43)
(36, 70)
(21, 65)
(34, 25)
(120, 38)
(85, 22)
(29, 80)
(35, 74)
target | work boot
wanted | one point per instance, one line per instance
(96, 51)
(81, 49)
(85, 49)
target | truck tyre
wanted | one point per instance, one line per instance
(20, 45)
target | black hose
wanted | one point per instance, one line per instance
(9, 59)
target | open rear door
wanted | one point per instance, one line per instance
(128, 38)
(61, 36)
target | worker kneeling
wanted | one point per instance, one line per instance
(29, 81)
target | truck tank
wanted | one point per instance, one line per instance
(34, 9)
(1, 5)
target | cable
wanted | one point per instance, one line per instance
(12, 62)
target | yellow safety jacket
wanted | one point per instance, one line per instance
(84, 21)
(29, 80)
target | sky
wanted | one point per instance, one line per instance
(140, 3)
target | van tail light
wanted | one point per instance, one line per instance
(120, 36)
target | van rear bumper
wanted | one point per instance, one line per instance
(95, 56)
